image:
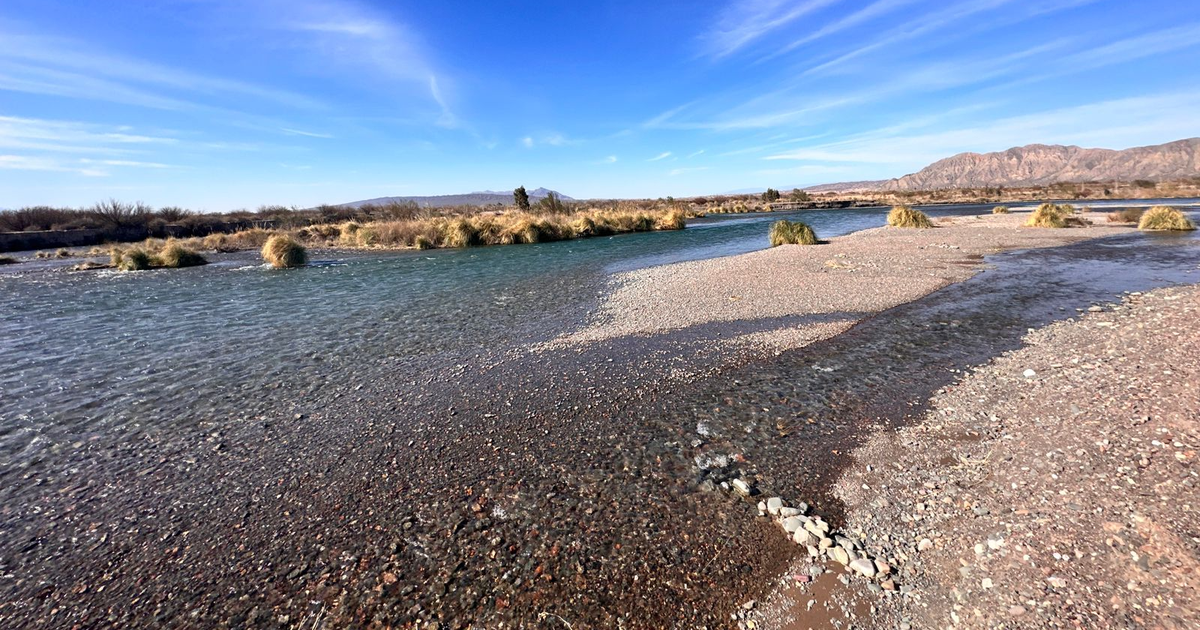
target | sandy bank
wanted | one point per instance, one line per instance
(786, 297)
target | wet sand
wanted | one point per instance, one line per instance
(525, 487)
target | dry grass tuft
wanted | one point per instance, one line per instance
(792, 233)
(907, 217)
(1128, 215)
(1000, 210)
(135, 259)
(1049, 215)
(1165, 218)
(174, 255)
(284, 252)
(8, 260)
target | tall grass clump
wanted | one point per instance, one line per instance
(284, 252)
(1049, 215)
(1165, 218)
(792, 233)
(136, 259)
(907, 217)
(1128, 215)
(1000, 210)
(174, 255)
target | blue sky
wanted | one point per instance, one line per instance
(221, 104)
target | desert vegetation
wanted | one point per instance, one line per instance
(284, 252)
(792, 233)
(8, 260)
(1128, 215)
(1165, 218)
(1050, 215)
(907, 217)
(1000, 210)
(169, 254)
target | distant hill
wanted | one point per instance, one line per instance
(481, 198)
(870, 184)
(1041, 164)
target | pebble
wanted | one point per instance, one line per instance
(774, 504)
(925, 544)
(742, 487)
(1030, 373)
(864, 567)
(839, 554)
(789, 511)
(792, 523)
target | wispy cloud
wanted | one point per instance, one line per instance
(612, 159)
(865, 14)
(31, 163)
(527, 142)
(744, 21)
(307, 134)
(1112, 123)
(349, 33)
(661, 156)
(67, 67)
(695, 153)
(73, 137)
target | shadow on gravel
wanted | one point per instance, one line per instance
(796, 418)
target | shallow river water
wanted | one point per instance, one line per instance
(239, 446)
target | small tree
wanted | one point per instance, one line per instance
(771, 195)
(521, 198)
(799, 195)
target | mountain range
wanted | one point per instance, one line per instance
(481, 198)
(1041, 164)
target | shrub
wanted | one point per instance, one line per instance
(1128, 215)
(131, 260)
(1049, 215)
(770, 195)
(8, 260)
(174, 255)
(1165, 218)
(521, 198)
(673, 220)
(907, 217)
(792, 233)
(1000, 210)
(284, 252)
(62, 253)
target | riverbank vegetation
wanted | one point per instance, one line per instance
(1165, 218)
(907, 217)
(8, 260)
(284, 252)
(792, 233)
(1050, 215)
(1128, 215)
(1000, 210)
(170, 254)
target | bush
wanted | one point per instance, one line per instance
(174, 255)
(770, 195)
(131, 260)
(906, 217)
(673, 220)
(1128, 215)
(1000, 210)
(1051, 216)
(284, 252)
(792, 233)
(8, 260)
(1165, 218)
